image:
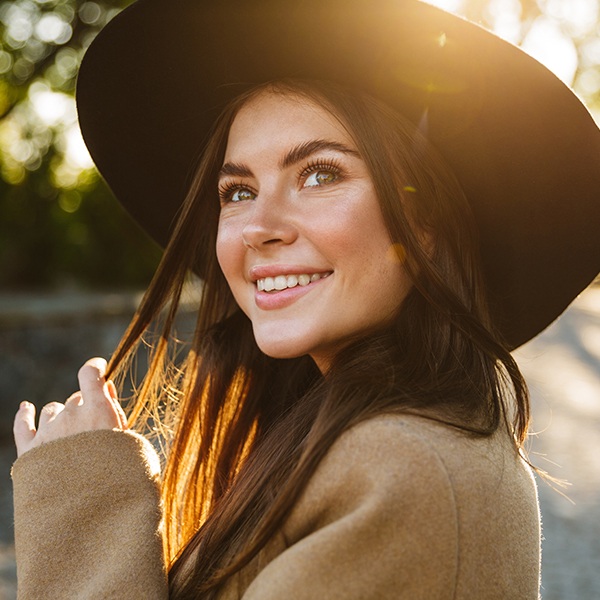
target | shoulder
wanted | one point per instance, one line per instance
(409, 468)
(393, 448)
(388, 469)
(396, 509)
(401, 448)
(393, 443)
(387, 451)
(379, 514)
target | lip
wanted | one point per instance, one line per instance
(286, 297)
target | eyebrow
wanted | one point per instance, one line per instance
(306, 149)
(293, 156)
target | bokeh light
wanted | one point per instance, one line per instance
(564, 35)
(547, 42)
(51, 28)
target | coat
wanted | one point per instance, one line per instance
(401, 507)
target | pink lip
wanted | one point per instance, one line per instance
(283, 298)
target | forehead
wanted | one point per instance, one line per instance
(276, 121)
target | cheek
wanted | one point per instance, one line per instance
(229, 252)
(377, 265)
(361, 238)
(230, 256)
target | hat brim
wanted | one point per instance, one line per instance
(524, 148)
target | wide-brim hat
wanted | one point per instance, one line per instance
(524, 148)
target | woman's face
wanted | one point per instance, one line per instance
(301, 239)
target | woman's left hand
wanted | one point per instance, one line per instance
(95, 406)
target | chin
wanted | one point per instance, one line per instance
(294, 348)
(282, 346)
(280, 350)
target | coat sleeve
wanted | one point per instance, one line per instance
(378, 520)
(87, 519)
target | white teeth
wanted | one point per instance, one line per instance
(282, 282)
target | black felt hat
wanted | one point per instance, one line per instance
(524, 148)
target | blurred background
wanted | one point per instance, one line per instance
(72, 264)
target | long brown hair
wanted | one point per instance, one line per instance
(245, 432)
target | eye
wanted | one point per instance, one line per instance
(242, 194)
(318, 174)
(320, 178)
(234, 192)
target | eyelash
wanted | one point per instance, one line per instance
(226, 190)
(321, 165)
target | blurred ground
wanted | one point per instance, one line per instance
(562, 367)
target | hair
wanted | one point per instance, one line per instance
(240, 454)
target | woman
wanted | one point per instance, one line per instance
(349, 421)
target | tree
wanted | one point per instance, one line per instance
(58, 221)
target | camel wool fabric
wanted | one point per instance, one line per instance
(402, 507)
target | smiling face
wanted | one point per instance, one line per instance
(301, 239)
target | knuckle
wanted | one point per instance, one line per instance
(52, 407)
(73, 399)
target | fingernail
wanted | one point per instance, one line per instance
(25, 404)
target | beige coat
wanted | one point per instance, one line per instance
(400, 508)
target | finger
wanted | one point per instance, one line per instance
(74, 400)
(24, 427)
(91, 380)
(114, 397)
(49, 412)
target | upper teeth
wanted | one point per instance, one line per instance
(281, 282)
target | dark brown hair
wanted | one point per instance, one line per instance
(245, 432)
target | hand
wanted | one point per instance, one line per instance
(95, 406)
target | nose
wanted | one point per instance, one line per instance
(269, 223)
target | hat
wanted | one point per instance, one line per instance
(524, 148)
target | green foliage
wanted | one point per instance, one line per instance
(59, 224)
(53, 237)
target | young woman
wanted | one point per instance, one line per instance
(349, 421)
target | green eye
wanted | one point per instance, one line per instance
(234, 192)
(242, 194)
(320, 178)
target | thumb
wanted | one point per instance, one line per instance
(91, 380)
